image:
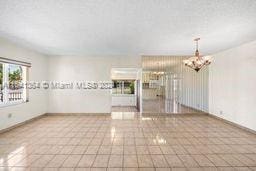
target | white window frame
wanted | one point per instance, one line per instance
(6, 91)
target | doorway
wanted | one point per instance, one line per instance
(125, 94)
(168, 86)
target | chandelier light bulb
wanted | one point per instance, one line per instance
(197, 62)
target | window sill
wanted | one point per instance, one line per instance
(12, 104)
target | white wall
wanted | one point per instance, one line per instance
(125, 74)
(232, 84)
(74, 68)
(37, 104)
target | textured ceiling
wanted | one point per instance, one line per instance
(127, 27)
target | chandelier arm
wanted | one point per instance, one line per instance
(197, 62)
(196, 45)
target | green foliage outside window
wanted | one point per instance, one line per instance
(123, 87)
(15, 77)
(132, 87)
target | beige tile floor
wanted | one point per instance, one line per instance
(128, 142)
(160, 105)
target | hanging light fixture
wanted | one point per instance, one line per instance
(158, 70)
(197, 62)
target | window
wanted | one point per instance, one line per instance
(13, 79)
(123, 87)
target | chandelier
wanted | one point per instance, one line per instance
(197, 62)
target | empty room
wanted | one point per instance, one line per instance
(127, 85)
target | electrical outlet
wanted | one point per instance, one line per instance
(221, 112)
(9, 115)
